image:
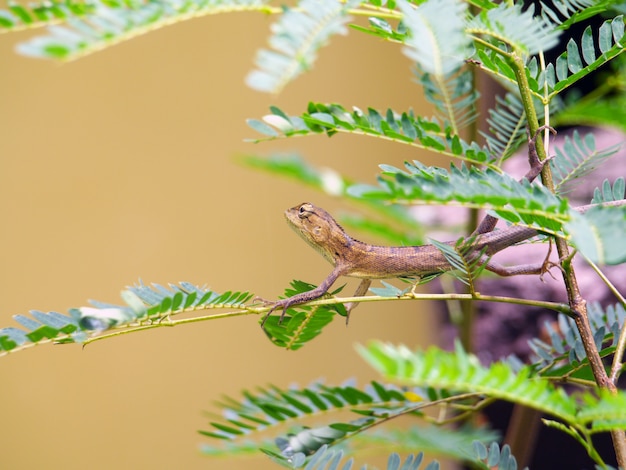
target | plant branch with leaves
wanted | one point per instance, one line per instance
(449, 42)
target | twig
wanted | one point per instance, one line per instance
(577, 303)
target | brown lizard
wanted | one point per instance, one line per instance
(353, 258)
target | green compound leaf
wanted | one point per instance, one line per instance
(297, 36)
(300, 324)
(564, 13)
(454, 95)
(143, 305)
(463, 372)
(599, 234)
(606, 193)
(523, 31)
(439, 47)
(514, 201)
(246, 421)
(102, 24)
(578, 61)
(576, 158)
(562, 351)
(267, 407)
(404, 128)
(18, 17)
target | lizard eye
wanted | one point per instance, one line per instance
(304, 210)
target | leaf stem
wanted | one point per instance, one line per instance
(169, 323)
(558, 307)
(379, 12)
(417, 407)
(416, 144)
(251, 310)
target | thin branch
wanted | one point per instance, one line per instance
(372, 10)
(556, 306)
(420, 406)
(170, 323)
(577, 303)
(167, 322)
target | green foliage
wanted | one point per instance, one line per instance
(370, 406)
(42, 327)
(157, 303)
(462, 372)
(327, 458)
(604, 412)
(382, 29)
(496, 63)
(577, 158)
(606, 106)
(564, 353)
(507, 127)
(606, 111)
(18, 17)
(577, 61)
(466, 264)
(432, 438)
(272, 406)
(514, 201)
(609, 194)
(598, 234)
(508, 27)
(301, 324)
(595, 233)
(606, 224)
(297, 37)
(564, 13)
(295, 167)
(438, 47)
(403, 128)
(448, 44)
(494, 456)
(144, 306)
(454, 96)
(101, 24)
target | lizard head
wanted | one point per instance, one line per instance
(318, 228)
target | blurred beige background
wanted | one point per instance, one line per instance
(120, 166)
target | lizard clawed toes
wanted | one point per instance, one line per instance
(275, 305)
(548, 264)
(546, 267)
(263, 301)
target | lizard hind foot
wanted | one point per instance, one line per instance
(546, 267)
(548, 264)
(275, 306)
(265, 303)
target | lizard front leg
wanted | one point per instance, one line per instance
(304, 296)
